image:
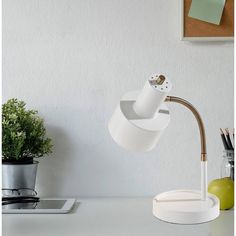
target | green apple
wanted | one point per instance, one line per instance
(224, 190)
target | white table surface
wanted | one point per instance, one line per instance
(110, 217)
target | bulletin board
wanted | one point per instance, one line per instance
(197, 30)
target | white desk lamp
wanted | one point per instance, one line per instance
(137, 124)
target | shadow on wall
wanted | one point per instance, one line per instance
(53, 169)
(83, 162)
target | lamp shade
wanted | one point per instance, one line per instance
(134, 132)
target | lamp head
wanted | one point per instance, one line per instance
(141, 116)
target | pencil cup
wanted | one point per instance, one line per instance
(227, 164)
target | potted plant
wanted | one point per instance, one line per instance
(23, 140)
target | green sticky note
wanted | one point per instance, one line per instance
(207, 10)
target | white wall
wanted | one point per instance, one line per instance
(73, 60)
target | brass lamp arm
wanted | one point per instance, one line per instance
(203, 142)
(199, 121)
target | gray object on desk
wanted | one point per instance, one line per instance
(44, 206)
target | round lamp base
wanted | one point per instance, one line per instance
(185, 207)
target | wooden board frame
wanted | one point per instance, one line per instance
(184, 38)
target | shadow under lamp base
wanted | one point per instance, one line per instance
(185, 207)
